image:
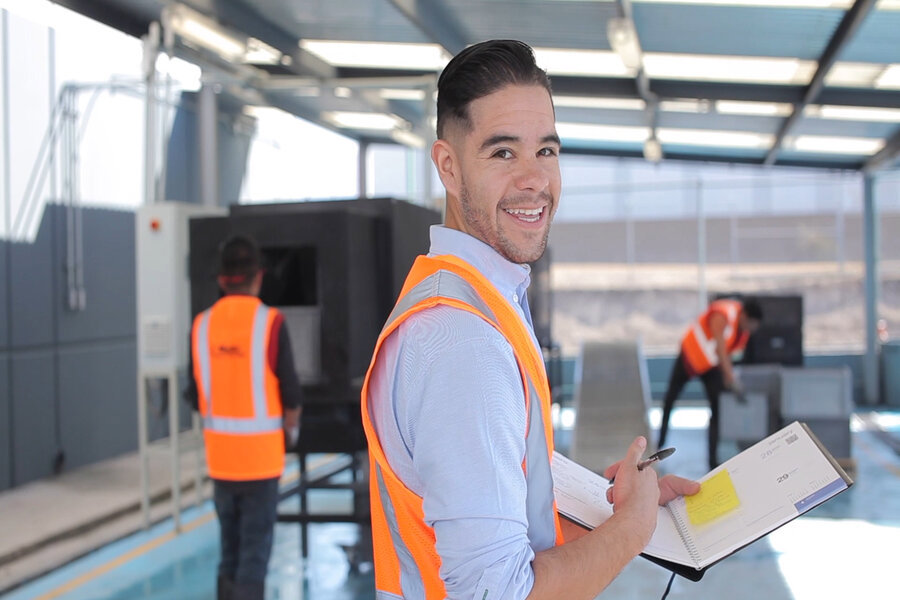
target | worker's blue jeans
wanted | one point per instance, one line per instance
(247, 511)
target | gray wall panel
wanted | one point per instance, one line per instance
(109, 277)
(760, 239)
(31, 273)
(34, 416)
(4, 291)
(98, 406)
(5, 430)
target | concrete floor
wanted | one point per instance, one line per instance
(845, 548)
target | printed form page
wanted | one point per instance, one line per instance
(581, 496)
(757, 491)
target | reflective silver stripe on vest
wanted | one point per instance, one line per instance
(380, 595)
(203, 358)
(260, 422)
(258, 361)
(441, 283)
(239, 425)
(410, 579)
(538, 478)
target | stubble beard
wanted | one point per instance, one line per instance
(479, 222)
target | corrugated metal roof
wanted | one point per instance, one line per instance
(689, 49)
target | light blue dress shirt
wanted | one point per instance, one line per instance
(454, 429)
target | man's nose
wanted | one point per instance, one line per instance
(532, 175)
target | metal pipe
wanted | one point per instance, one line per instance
(143, 445)
(701, 249)
(207, 124)
(362, 170)
(174, 426)
(151, 51)
(870, 242)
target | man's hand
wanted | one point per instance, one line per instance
(669, 486)
(291, 424)
(636, 493)
(672, 486)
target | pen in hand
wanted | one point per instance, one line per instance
(656, 456)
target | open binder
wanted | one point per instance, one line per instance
(750, 495)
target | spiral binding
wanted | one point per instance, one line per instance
(685, 534)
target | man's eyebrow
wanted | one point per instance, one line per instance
(502, 138)
(552, 138)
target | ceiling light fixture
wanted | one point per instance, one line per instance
(853, 74)
(709, 137)
(854, 113)
(599, 63)
(762, 109)
(602, 133)
(822, 144)
(410, 94)
(653, 150)
(426, 57)
(599, 103)
(362, 120)
(623, 39)
(196, 29)
(751, 69)
(889, 78)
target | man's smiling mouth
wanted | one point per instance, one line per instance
(529, 215)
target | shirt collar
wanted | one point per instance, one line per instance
(508, 277)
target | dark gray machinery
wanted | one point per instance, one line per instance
(334, 269)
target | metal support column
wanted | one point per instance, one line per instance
(174, 446)
(701, 249)
(430, 110)
(870, 243)
(151, 52)
(363, 169)
(207, 118)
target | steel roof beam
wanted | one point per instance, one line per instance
(713, 158)
(709, 90)
(433, 19)
(105, 12)
(886, 155)
(845, 31)
(241, 17)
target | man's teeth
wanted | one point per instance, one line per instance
(526, 214)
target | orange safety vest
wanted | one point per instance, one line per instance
(698, 344)
(406, 561)
(238, 392)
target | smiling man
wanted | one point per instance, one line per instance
(456, 403)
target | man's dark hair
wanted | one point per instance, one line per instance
(239, 261)
(480, 70)
(752, 309)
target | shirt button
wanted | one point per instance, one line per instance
(515, 297)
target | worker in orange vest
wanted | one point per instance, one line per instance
(456, 404)
(248, 395)
(706, 349)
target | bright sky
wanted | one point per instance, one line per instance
(289, 159)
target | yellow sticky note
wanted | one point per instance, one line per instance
(715, 498)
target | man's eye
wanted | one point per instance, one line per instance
(502, 153)
(547, 152)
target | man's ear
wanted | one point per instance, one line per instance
(447, 163)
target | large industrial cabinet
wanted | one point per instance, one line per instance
(335, 269)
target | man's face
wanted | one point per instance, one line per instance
(508, 183)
